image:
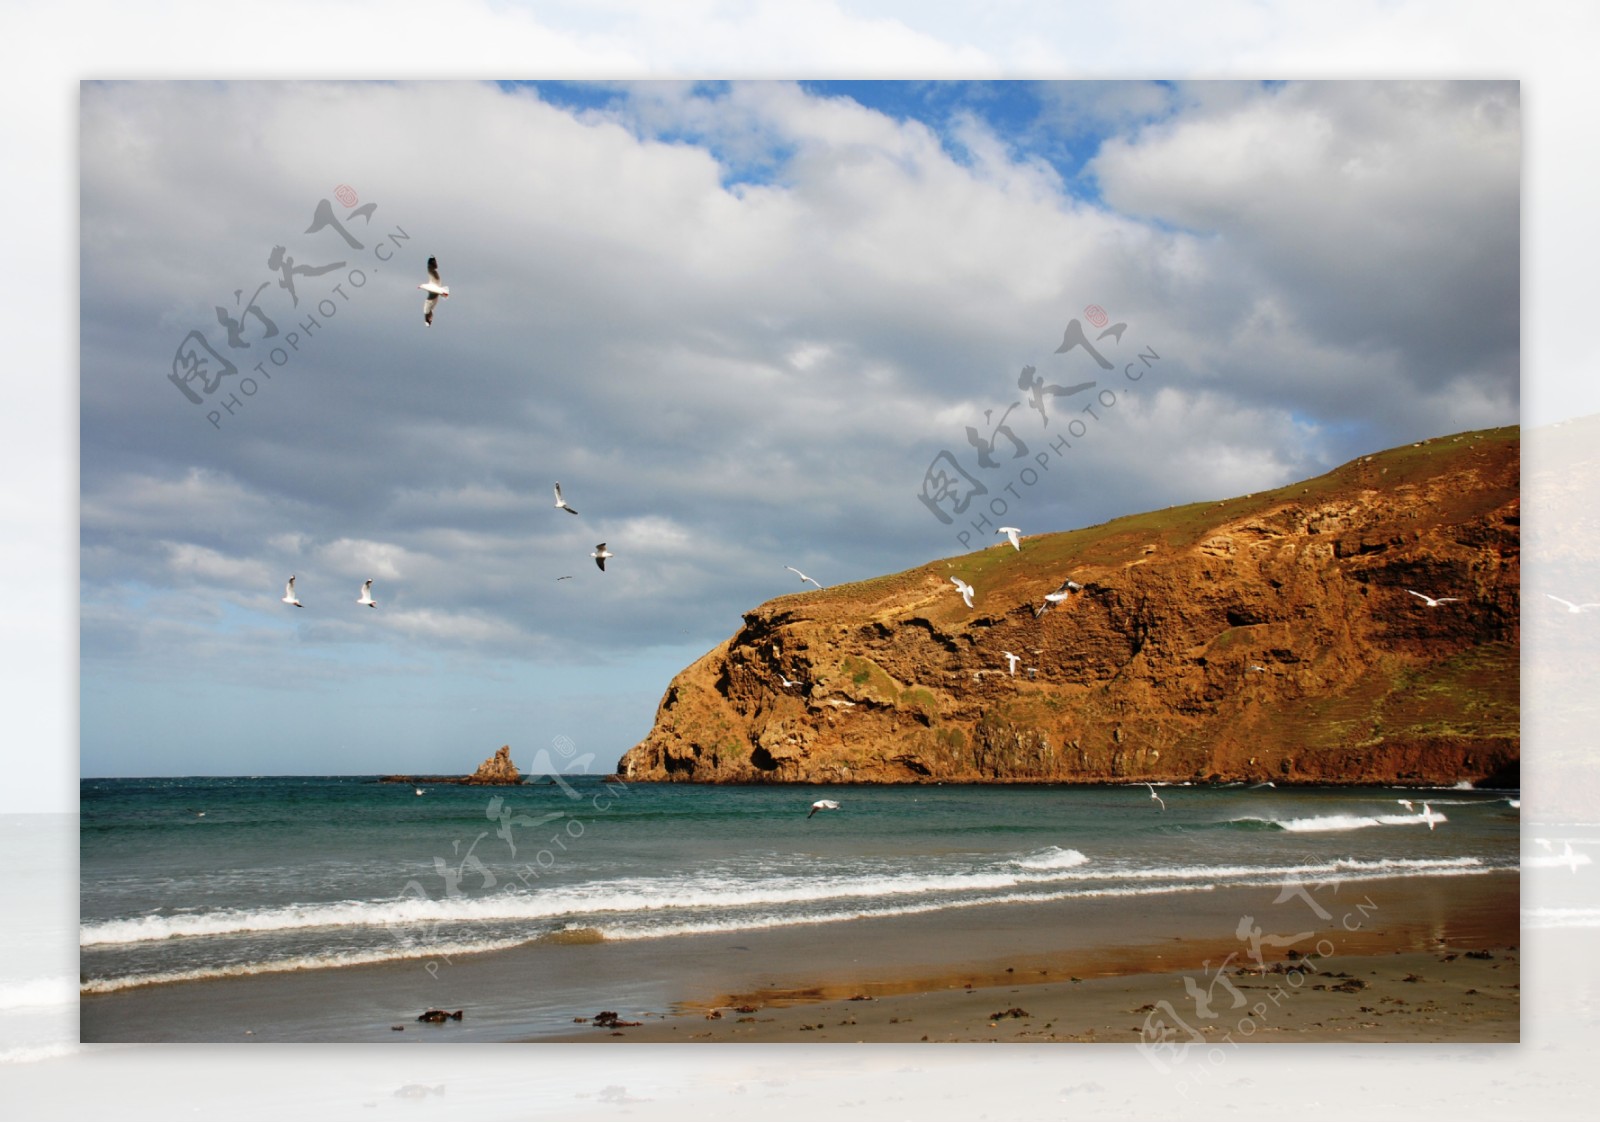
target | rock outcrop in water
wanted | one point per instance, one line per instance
(1269, 637)
(497, 770)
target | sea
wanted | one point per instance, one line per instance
(190, 879)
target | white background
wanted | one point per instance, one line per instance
(49, 49)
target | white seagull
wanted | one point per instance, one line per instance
(600, 555)
(1154, 796)
(420, 791)
(1430, 816)
(1066, 589)
(366, 595)
(562, 503)
(1013, 534)
(434, 288)
(802, 576)
(964, 589)
(1432, 602)
(1012, 661)
(787, 682)
(823, 805)
(1570, 606)
(288, 595)
(1407, 804)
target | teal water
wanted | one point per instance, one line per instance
(203, 878)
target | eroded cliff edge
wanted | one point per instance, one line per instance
(1265, 637)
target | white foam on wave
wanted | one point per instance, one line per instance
(629, 895)
(1052, 858)
(1339, 871)
(1355, 822)
(633, 897)
(406, 950)
(653, 931)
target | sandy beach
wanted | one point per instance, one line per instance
(1411, 974)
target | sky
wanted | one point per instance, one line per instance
(747, 325)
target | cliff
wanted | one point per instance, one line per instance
(1265, 637)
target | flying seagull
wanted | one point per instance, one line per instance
(1154, 796)
(1432, 602)
(802, 576)
(1570, 606)
(435, 289)
(366, 595)
(1012, 661)
(289, 597)
(600, 555)
(1430, 816)
(1066, 589)
(823, 805)
(1013, 534)
(562, 503)
(964, 589)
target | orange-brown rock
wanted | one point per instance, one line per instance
(1265, 637)
(498, 769)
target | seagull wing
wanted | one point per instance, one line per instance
(433, 270)
(427, 308)
(802, 576)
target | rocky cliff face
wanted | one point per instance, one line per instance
(1266, 637)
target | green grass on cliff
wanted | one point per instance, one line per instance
(1128, 539)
